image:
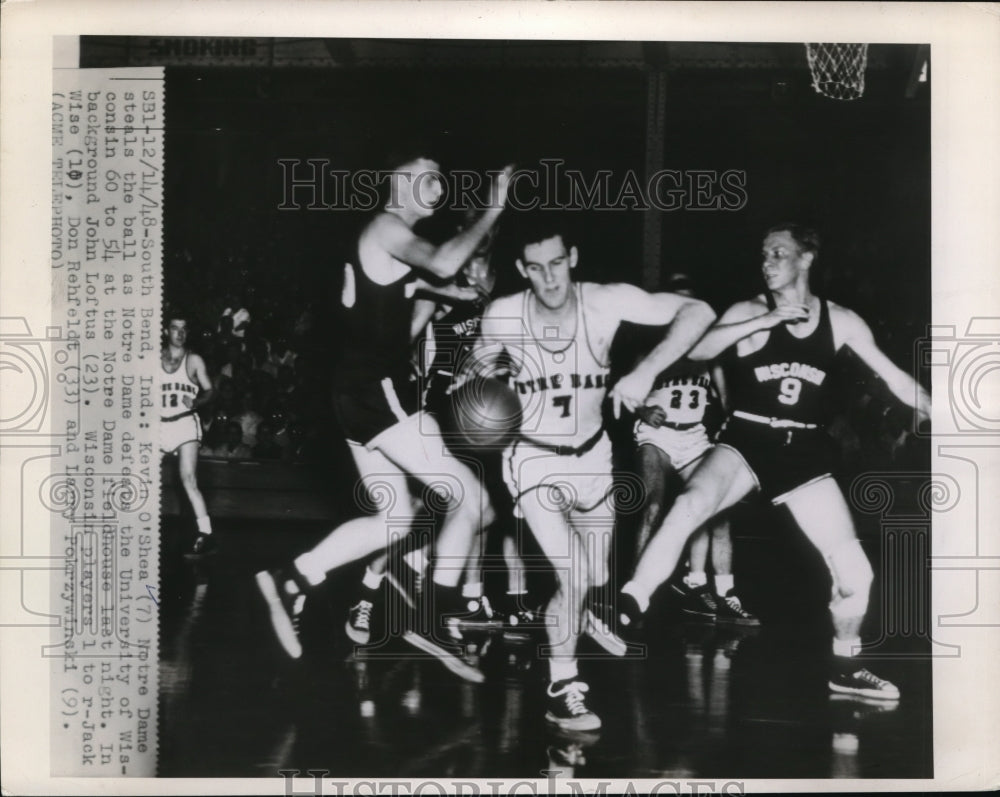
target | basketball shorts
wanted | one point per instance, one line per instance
(436, 398)
(365, 411)
(569, 483)
(683, 446)
(178, 430)
(781, 460)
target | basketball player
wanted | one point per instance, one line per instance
(453, 337)
(451, 316)
(557, 335)
(671, 436)
(185, 386)
(378, 408)
(785, 341)
(459, 308)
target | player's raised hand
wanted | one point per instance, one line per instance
(500, 187)
(631, 391)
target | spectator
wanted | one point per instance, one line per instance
(215, 432)
(232, 446)
(248, 418)
(267, 447)
(282, 436)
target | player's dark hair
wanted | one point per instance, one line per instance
(533, 228)
(175, 314)
(807, 238)
(396, 156)
(403, 153)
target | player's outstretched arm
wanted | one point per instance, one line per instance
(445, 260)
(449, 293)
(719, 382)
(852, 331)
(423, 312)
(688, 319)
(742, 320)
(200, 374)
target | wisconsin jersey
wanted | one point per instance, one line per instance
(788, 377)
(561, 383)
(375, 328)
(174, 386)
(450, 340)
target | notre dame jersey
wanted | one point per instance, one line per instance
(683, 391)
(174, 386)
(788, 377)
(560, 383)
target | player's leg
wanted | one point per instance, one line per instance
(421, 453)
(591, 494)
(517, 609)
(729, 606)
(359, 614)
(822, 513)
(654, 467)
(684, 449)
(697, 575)
(697, 599)
(595, 527)
(384, 485)
(385, 489)
(460, 494)
(187, 461)
(563, 548)
(479, 612)
(720, 480)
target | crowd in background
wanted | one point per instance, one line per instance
(269, 378)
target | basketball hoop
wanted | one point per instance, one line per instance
(838, 70)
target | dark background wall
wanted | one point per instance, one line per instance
(859, 170)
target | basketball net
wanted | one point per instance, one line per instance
(838, 70)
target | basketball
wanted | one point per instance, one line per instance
(485, 412)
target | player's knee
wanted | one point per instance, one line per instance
(489, 513)
(654, 506)
(852, 578)
(693, 506)
(574, 582)
(188, 479)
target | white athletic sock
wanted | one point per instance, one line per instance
(636, 591)
(515, 582)
(846, 647)
(204, 524)
(696, 578)
(312, 570)
(472, 589)
(724, 583)
(372, 580)
(562, 669)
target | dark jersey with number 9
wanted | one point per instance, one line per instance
(788, 377)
